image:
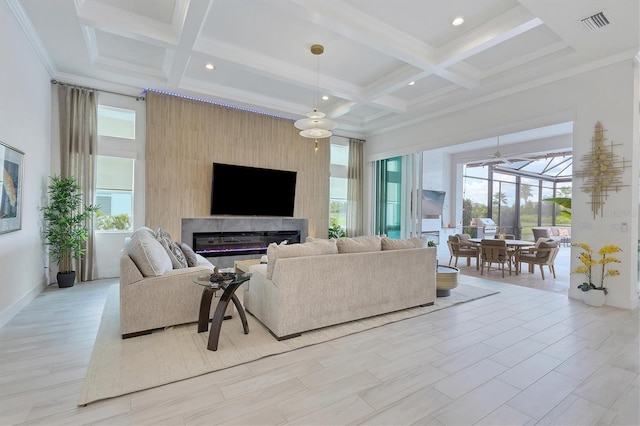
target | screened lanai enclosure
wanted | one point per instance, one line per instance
(513, 194)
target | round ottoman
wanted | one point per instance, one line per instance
(446, 279)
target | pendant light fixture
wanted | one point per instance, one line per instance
(316, 125)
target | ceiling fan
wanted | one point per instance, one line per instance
(498, 158)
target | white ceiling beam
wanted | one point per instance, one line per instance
(498, 30)
(191, 29)
(126, 24)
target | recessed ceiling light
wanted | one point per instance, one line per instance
(458, 21)
(411, 83)
(325, 98)
(209, 66)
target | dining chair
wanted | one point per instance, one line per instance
(540, 233)
(464, 240)
(457, 250)
(542, 254)
(495, 251)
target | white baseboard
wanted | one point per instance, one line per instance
(12, 311)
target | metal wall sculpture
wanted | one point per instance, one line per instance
(601, 170)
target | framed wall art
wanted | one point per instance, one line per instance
(11, 161)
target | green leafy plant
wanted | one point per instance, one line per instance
(564, 202)
(335, 231)
(66, 230)
(431, 244)
(588, 262)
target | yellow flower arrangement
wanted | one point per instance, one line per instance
(588, 262)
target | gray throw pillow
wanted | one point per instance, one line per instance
(189, 254)
(175, 254)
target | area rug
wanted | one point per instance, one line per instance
(119, 367)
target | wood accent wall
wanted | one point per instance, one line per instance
(185, 137)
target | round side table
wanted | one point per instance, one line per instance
(446, 279)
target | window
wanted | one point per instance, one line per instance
(115, 168)
(114, 193)
(116, 122)
(338, 184)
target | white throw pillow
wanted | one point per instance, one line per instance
(148, 254)
(203, 261)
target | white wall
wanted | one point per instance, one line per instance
(609, 95)
(25, 123)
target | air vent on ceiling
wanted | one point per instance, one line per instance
(595, 22)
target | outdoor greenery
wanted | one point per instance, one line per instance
(66, 229)
(528, 210)
(564, 203)
(113, 222)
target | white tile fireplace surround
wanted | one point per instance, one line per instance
(192, 227)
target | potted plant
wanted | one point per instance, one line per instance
(335, 230)
(592, 294)
(65, 229)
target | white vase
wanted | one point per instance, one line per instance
(594, 297)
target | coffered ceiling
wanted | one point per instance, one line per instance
(374, 49)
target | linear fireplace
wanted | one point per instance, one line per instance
(215, 244)
(229, 233)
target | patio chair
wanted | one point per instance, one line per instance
(464, 240)
(544, 253)
(495, 251)
(457, 250)
(540, 233)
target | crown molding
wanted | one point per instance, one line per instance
(25, 23)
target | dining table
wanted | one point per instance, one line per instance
(517, 246)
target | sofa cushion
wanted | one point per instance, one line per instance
(359, 244)
(175, 253)
(189, 254)
(408, 243)
(148, 254)
(311, 248)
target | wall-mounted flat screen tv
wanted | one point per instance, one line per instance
(252, 191)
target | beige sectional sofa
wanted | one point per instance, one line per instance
(157, 288)
(325, 282)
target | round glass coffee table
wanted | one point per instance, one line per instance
(229, 287)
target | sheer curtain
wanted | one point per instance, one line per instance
(355, 223)
(78, 154)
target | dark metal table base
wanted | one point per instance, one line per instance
(218, 316)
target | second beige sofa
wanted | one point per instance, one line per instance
(331, 282)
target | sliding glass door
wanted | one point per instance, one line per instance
(397, 196)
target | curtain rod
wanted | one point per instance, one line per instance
(137, 98)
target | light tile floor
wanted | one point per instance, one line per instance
(523, 356)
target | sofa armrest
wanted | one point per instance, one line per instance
(129, 272)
